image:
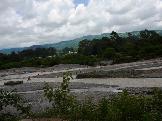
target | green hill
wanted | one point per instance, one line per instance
(71, 43)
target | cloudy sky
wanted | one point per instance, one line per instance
(30, 22)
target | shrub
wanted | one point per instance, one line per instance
(62, 100)
(12, 99)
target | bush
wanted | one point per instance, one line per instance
(12, 99)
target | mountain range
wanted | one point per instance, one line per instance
(70, 43)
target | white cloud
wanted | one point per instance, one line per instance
(28, 22)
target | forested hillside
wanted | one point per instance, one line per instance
(146, 45)
(74, 43)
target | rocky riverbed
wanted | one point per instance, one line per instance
(34, 94)
(96, 88)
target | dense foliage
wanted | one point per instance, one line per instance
(146, 45)
(30, 57)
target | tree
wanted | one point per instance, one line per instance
(146, 34)
(85, 47)
(117, 40)
(114, 36)
(61, 98)
(109, 53)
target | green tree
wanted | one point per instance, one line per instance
(62, 100)
(85, 47)
(109, 53)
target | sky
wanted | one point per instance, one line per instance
(33, 22)
(85, 2)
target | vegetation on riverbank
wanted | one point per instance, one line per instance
(146, 45)
(122, 107)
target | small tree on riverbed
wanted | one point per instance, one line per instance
(61, 99)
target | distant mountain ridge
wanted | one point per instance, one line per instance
(71, 43)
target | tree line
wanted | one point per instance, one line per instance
(146, 45)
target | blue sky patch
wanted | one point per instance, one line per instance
(85, 2)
